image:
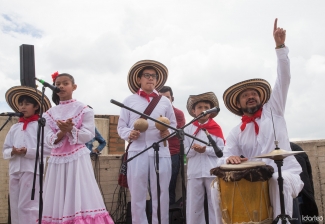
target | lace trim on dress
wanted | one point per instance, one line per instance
(81, 217)
(51, 122)
(69, 157)
(67, 101)
(73, 137)
(53, 138)
(76, 118)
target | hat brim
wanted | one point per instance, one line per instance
(208, 96)
(137, 67)
(231, 94)
(13, 94)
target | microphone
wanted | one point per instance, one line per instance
(212, 110)
(46, 84)
(217, 151)
(12, 114)
(117, 103)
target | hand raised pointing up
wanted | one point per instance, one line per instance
(279, 35)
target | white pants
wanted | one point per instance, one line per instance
(139, 170)
(22, 208)
(292, 185)
(196, 188)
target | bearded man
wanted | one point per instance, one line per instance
(252, 99)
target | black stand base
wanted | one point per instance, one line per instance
(284, 219)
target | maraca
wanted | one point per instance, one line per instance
(141, 125)
(161, 127)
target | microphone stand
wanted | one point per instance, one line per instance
(180, 134)
(283, 216)
(40, 141)
(9, 119)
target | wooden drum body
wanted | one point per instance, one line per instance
(244, 192)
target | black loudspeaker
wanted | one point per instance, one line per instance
(148, 212)
(176, 213)
(27, 65)
(175, 216)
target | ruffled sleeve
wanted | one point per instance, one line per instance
(86, 131)
(51, 132)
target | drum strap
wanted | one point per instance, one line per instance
(122, 180)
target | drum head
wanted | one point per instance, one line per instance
(242, 166)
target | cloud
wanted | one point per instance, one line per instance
(13, 25)
(206, 46)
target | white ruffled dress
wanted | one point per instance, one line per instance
(71, 194)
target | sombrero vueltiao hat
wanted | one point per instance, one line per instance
(209, 96)
(137, 67)
(231, 94)
(13, 94)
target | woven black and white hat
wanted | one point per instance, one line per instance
(13, 94)
(137, 67)
(209, 96)
(231, 94)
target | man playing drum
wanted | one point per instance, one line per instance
(252, 99)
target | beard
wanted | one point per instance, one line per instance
(252, 110)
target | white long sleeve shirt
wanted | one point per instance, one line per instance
(152, 135)
(247, 143)
(18, 138)
(200, 164)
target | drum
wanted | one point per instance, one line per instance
(244, 193)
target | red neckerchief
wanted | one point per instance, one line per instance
(245, 119)
(27, 120)
(146, 95)
(211, 126)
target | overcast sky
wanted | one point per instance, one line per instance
(206, 45)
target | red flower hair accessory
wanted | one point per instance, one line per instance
(54, 75)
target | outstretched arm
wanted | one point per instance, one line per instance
(279, 94)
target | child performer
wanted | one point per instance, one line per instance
(20, 148)
(201, 158)
(144, 79)
(71, 193)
